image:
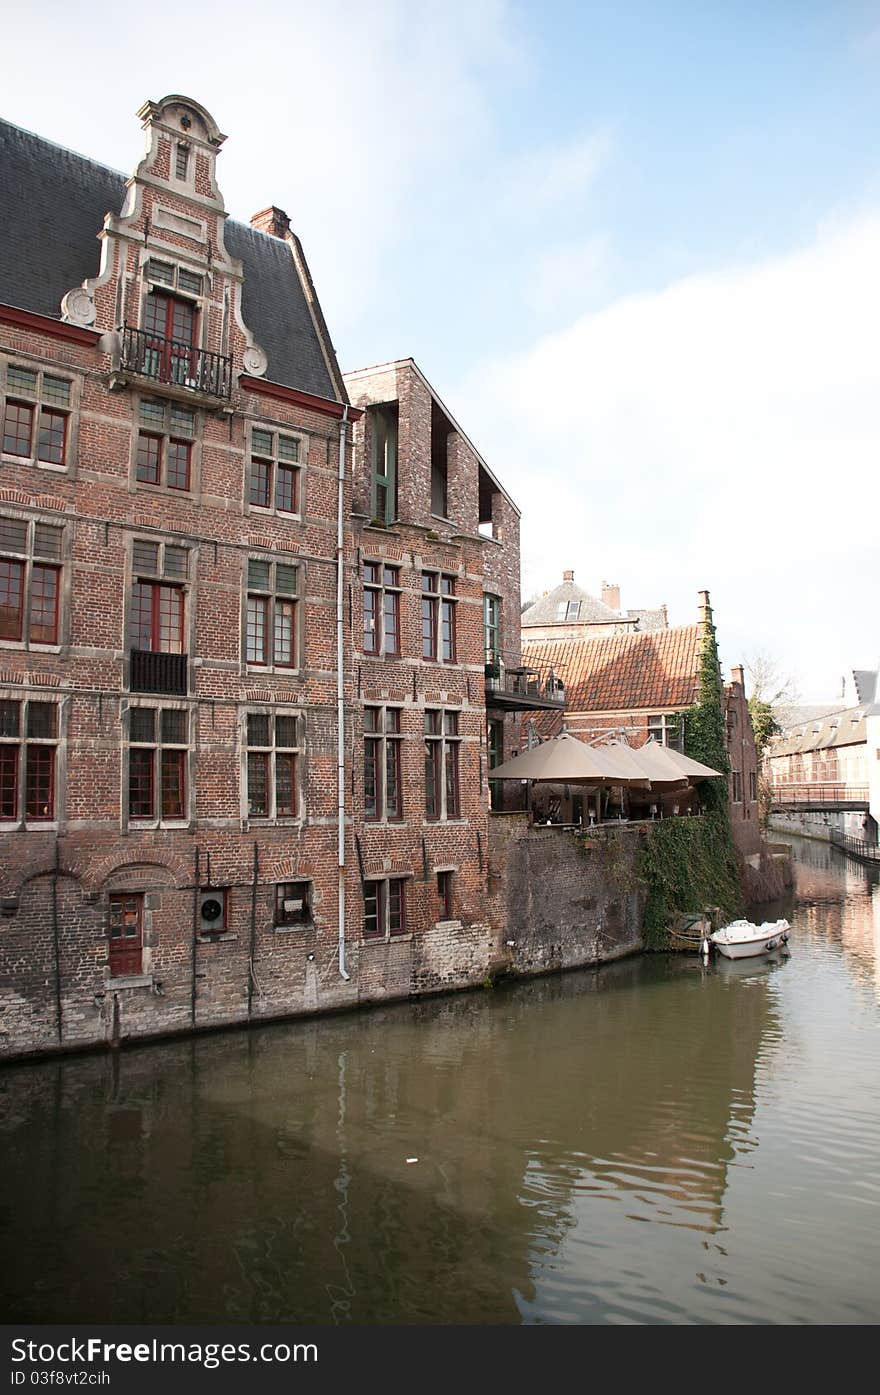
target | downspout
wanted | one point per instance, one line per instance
(340, 691)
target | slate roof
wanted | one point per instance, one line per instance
(655, 670)
(648, 619)
(54, 202)
(544, 611)
(845, 728)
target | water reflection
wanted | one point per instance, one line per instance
(658, 1141)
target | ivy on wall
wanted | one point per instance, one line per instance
(691, 864)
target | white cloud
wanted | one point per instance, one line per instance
(541, 180)
(723, 433)
(575, 271)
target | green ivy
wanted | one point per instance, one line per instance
(691, 864)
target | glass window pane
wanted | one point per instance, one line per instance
(258, 783)
(170, 620)
(13, 536)
(285, 581)
(148, 459)
(48, 541)
(44, 605)
(178, 466)
(258, 575)
(152, 414)
(56, 391)
(173, 784)
(183, 423)
(8, 782)
(42, 720)
(10, 718)
(176, 560)
(285, 489)
(285, 790)
(261, 442)
(258, 729)
(188, 280)
(161, 271)
(21, 380)
(396, 907)
(40, 782)
(18, 424)
(52, 437)
(257, 629)
(174, 725)
(371, 778)
(283, 639)
(259, 483)
(145, 558)
(142, 724)
(288, 448)
(372, 923)
(140, 783)
(285, 731)
(11, 599)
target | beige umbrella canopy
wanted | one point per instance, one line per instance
(639, 770)
(565, 760)
(663, 763)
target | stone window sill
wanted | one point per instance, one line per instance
(129, 981)
(386, 940)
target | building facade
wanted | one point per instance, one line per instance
(640, 683)
(244, 732)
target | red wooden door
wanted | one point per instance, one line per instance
(126, 934)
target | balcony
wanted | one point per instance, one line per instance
(152, 672)
(187, 371)
(523, 689)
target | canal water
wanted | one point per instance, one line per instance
(653, 1142)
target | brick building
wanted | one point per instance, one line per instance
(569, 612)
(225, 634)
(641, 682)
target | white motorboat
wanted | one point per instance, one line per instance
(742, 939)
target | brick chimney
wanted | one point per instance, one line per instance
(272, 220)
(737, 675)
(568, 576)
(704, 609)
(611, 595)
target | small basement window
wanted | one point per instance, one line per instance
(293, 903)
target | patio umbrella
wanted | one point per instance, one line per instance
(663, 763)
(566, 761)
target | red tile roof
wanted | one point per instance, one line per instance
(623, 672)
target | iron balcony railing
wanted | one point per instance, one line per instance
(176, 363)
(152, 672)
(525, 683)
(828, 792)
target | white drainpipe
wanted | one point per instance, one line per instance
(340, 690)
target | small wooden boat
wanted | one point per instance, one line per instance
(742, 939)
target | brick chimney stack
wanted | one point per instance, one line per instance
(737, 675)
(273, 221)
(704, 609)
(611, 595)
(568, 576)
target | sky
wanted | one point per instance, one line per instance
(634, 245)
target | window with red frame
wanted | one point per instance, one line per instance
(157, 763)
(30, 577)
(438, 617)
(384, 908)
(381, 609)
(274, 479)
(36, 415)
(442, 776)
(271, 637)
(165, 445)
(383, 784)
(28, 760)
(273, 747)
(157, 612)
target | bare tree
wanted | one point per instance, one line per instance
(769, 683)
